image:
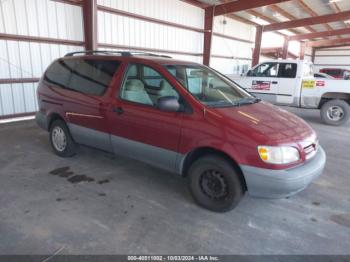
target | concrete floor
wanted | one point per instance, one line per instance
(133, 208)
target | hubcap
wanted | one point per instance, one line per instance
(335, 113)
(59, 139)
(213, 184)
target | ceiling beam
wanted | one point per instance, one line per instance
(267, 19)
(196, 3)
(312, 13)
(329, 42)
(337, 9)
(284, 13)
(243, 5)
(241, 19)
(247, 21)
(308, 21)
(331, 46)
(343, 31)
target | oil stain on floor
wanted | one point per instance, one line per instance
(341, 219)
(62, 172)
(65, 172)
(80, 178)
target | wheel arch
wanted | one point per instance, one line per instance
(199, 152)
(53, 117)
(332, 96)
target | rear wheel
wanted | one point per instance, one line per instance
(335, 112)
(215, 184)
(61, 141)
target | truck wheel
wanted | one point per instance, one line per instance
(61, 141)
(215, 184)
(335, 112)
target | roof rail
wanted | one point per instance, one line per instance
(149, 54)
(122, 53)
(91, 52)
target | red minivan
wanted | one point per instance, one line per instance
(182, 117)
(338, 73)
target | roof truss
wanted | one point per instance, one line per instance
(243, 5)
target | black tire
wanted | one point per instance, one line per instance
(221, 194)
(330, 116)
(69, 149)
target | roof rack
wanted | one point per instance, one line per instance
(122, 53)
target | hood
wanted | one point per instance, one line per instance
(266, 123)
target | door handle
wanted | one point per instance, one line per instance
(274, 82)
(119, 110)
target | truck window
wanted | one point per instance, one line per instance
(288, 70)
(265, 70)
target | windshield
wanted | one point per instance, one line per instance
(209, 87)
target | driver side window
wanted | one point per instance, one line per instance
(265, 70)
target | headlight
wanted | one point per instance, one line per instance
(278, 154)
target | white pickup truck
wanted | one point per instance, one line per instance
(292, 83)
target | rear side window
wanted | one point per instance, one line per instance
(84, 76)
(288, 70)
(59, 73)
(92, 76)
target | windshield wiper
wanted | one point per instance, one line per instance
(248, 100)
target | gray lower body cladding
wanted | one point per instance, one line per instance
(260, 182)
(156, 156)
(41, 120)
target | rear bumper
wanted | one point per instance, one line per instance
(41, 120)
(282, 183)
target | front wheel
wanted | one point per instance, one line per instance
(335, 112)
(215, 184)
(61, 140)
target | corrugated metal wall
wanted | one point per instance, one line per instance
(24, 59)
(338, 57)
(122, 30)
(223, 47)
(228, 55)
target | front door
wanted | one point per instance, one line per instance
(262, 81)
(287, 83)
(138, 128)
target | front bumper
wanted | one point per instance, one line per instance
(270, 183)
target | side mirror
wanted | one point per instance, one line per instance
(168, 104)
